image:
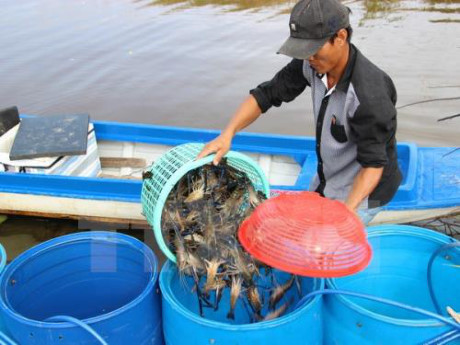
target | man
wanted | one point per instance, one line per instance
(353, 104)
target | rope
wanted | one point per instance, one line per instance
(428, 273)
(381, 300)
(429, 100)
(77, 322)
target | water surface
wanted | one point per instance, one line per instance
(191, 62)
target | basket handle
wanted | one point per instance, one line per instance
(80, 323)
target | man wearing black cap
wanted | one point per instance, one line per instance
(353, 104)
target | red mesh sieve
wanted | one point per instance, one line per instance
(306, 234)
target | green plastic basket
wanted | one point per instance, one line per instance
(172, 166)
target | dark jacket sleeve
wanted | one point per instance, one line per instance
(285, 86)
(373, 125)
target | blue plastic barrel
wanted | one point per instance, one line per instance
(182, 323)
(107, 280)
(2, 266)
(397, 271)
(2, 258)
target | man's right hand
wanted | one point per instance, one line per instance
(247, 113)
(220, 146)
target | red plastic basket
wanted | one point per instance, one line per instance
(306, 234)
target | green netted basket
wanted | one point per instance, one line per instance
(172, 166)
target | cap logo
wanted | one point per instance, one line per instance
(293, 27)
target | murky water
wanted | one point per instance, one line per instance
(190, 63)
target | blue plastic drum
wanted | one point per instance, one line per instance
(2, 267)
(182, 323)
(107, 280)
(2, 258)
(398, 272)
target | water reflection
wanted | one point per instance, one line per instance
(448, 20)
(236, 5)
(378, 9)
(443, 1)
(372, 9)
(393, 10)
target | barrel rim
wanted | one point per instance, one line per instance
(391, 230)
(98, 235)
(166, 273)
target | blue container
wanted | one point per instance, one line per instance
(107, 280)
(2, 266)
(397, 271)
(2, 258)
(183, 325)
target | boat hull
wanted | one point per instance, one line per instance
(430, 185)
(130, 213)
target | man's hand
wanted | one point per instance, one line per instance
(246, 114)
(351, 208)
(364, 183)
(220, 146)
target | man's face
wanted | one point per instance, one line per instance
(326, 58)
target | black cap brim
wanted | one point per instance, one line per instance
(301, 48)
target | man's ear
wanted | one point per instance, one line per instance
(342, 36)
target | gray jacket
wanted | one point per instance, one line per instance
(355, 124)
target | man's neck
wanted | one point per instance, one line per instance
(334, 75)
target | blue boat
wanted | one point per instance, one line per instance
(430, 186)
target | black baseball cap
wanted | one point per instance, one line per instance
(311, 24)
